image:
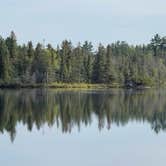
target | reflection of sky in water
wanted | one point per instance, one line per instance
(135, 144)
(131, 139)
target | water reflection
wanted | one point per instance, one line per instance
(67, 109)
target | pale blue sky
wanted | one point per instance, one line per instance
(106, 21)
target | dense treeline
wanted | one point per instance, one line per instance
(67, 110)
(117, 63)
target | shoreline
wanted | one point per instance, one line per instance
(71, 86)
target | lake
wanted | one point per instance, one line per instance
(83, 128)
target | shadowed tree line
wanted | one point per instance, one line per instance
(66, 110)
(116, 63)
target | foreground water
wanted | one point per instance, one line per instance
(78, 128)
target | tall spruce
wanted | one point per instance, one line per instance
(109, 71)
(4, 62)
(99, 63)
(87, 61)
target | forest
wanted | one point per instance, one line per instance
(116, 64)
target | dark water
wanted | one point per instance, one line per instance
(82, 128)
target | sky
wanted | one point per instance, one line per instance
(105, 21)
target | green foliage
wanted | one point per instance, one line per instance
(99, 65)
(4, 62)
(117, 63)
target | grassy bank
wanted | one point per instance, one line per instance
(61, 86)
(83, 86)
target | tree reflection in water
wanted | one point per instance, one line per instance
(67, 109)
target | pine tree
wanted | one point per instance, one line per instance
(53, 63)
(109, 71)
(99, 63)
(30, 51)
(11, 43)
(155, 43)
(41, 64)
(87, 61)
(4, 62)
(77, 65)
(65, 61)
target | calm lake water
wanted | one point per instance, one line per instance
(82, 128)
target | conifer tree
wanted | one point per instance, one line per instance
(4, 62)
